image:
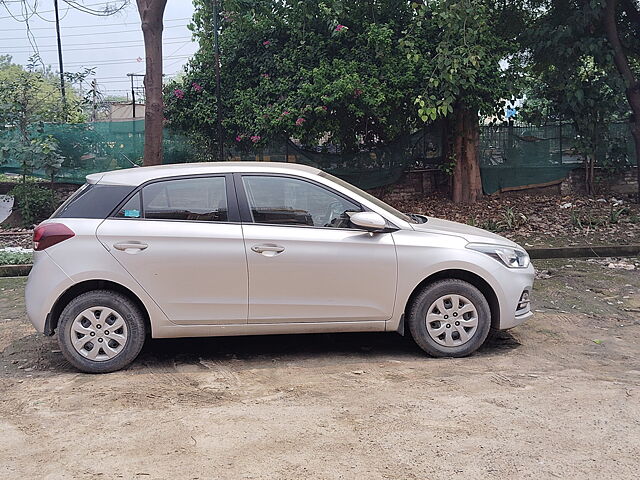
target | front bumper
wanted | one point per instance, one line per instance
(514, 310)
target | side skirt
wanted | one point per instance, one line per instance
(176, 331)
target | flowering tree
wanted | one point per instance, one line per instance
(332, 70)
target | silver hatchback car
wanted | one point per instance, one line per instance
(214, 249)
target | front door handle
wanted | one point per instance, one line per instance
(268, 250)
(124, 246)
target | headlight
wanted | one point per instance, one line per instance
(509, 256)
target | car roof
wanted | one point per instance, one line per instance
(139, 175)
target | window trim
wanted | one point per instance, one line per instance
(245, 209)
(233, 214)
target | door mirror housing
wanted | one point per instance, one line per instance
(371, 221)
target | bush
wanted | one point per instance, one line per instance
(35, 202)
(15, 258)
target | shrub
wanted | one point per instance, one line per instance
(35, 202)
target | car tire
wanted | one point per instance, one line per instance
(459, 329)
(87, 319)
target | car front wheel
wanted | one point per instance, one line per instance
(101, 331)
(449, 318)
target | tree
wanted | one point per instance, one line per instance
(151, 13)
(584, 67)
(572, 72)
(330, 71)
(470, 49)
(43, 102)
(622, 26)
(28, 98)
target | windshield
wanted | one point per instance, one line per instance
(377, 202)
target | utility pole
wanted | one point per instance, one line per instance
(94, 110)
(62, 90)
(133, 94)
(216, 49)
(133, 91)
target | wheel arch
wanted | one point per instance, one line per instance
(467, 276)
(87, 286)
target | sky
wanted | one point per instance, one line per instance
(112, 44)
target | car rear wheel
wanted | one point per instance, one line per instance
(101, 331)
(449, 318)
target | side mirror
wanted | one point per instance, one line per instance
(370, 221)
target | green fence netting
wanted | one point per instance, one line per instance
(101, 146)
(97, 147)
(517, 156)
(510, 156)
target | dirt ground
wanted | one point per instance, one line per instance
(558, 397)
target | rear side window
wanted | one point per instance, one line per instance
(93, 201)
(131, 209)
(194, 199)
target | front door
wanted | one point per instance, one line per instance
(306, 262)
(176, 239)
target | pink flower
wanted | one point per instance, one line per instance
(239, 138)
(286, 112)
(266, 43)
(324, 107)
(341, 27)
(196, 86)
(357, 92)
(300, 121)
(255, 138)
(265, 75)
(178, 93)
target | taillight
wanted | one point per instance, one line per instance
(48, 234)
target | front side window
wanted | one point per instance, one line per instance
(193, 199)
(291, 201)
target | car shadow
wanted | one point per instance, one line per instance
(37, 355)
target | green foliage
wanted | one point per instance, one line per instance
(511, 220)
(572, 77)
(33, 94)
(616, 213)
(330, 71)
(38, 151)
(15, 258)
(35, 202)
(467, 52)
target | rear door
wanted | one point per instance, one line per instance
(181, 239)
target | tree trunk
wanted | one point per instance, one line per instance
(467, 184)
(632, 84)
(151, 13)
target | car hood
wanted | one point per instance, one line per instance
(470, 234)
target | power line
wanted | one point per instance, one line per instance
(118, 61)
(92, 34)
(98, 13)
(52, 11)
(91, 26)
(134, 43)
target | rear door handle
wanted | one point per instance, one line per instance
(268, 249)
(124, 246)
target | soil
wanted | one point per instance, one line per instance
(557, 397)
(540, 220)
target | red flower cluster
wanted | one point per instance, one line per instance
(196, 86)
(341, 27)
(178, 93)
